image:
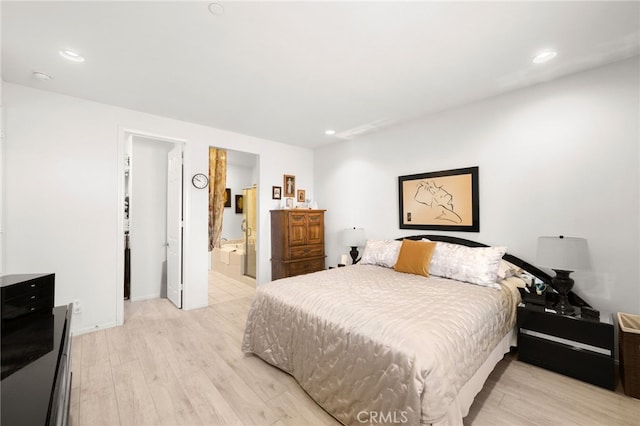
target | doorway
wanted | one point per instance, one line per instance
(236, 256)
(152, 195)
(249, 234)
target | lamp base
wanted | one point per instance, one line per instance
(354, 255)
(563, 285)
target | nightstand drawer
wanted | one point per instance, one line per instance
(592, 333)
(591, 367)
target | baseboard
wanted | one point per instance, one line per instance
(78, 332)
(145, 297)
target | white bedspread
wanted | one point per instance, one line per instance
(365, 339)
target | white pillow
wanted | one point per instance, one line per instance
(381, 253)
(475, 265)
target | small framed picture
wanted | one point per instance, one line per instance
(301, 196)
(276, 192)
(227, 197)
(289, 203)
(289, 186)
(239, 203)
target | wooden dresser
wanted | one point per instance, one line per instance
(297, 242)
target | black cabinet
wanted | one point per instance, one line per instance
(36, 351)
(571, 345)
(24, 294)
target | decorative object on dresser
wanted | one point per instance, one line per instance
(447, 200)
(354, 238)
(297, 242)
(288, 203)
(564, 255)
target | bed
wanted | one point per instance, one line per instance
(373, 345)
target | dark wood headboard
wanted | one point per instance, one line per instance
(508, 257)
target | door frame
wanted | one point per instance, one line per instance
(124, 134)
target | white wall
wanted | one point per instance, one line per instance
(238, 178)
(148, 213)
(556, 158)
(62, 185)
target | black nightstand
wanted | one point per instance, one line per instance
(570, 345)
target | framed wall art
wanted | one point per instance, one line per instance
(301, 196)
(447, 200)
(276, 192)
(227, 197)
(239, 204)
(289, 186)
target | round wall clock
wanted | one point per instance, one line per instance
(200, 180)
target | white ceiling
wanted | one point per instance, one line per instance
(287, 71)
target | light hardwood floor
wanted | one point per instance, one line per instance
(165, 366)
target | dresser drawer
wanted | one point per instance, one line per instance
(306, 266)
(303, 252)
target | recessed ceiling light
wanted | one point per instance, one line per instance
(41, 76)
(216, 9)
(71, 55)
(329, 132)
(544, 56)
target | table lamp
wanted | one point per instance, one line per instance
(564, 255)
(354, 238)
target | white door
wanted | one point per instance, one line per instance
(174, 226)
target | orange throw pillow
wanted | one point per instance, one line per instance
(415, 257)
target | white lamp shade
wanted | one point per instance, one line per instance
(354, 237)
(563, 253)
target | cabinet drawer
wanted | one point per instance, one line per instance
(302, 252)
(306, 267)
(592, 333)
(581, 364)
(37, 288)
(12, 310)
(27, 298)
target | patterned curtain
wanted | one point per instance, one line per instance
(217, 193)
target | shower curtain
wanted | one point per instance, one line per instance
(217, 193)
